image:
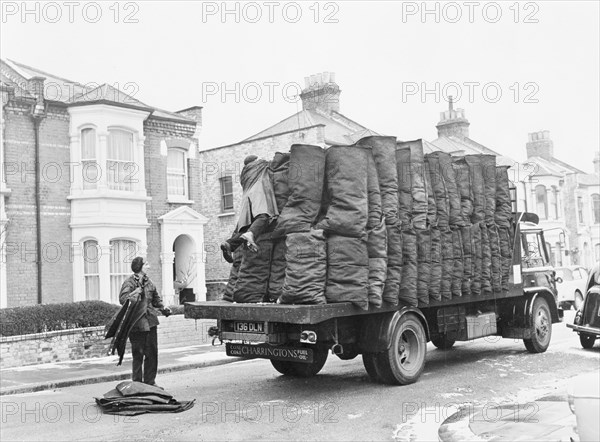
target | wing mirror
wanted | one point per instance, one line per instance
(559, 280)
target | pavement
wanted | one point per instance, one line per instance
(545, 418)
(31, 378)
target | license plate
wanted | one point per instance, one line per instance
(248, 327)
(266, 351)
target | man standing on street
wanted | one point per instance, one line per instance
(144, 345)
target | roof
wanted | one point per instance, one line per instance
(554, 167)
(338, 128)
(71, 92)
(588, 179)
(466, 146)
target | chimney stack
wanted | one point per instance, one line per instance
(540, 145)
(321, 93)
(453, 122)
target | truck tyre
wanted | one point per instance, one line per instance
(282, 367)
(541, 327)
(301, 369)
(369, 361)
(587, 341)
(443, 342)
(404, 360)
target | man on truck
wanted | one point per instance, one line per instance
(258, 207)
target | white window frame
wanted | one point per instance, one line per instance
(120, 266)
(125, 170)
(85, 161)
(174, 197)
(91, 275)
(223, 195)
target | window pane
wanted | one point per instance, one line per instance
(176, 184)
(227, 193)
(121, 170)
(91, 270)
(541, 202)
(596, 208)
(88, 144)
(176, 172)
(122, 253)
(120, 145)
(175, 159)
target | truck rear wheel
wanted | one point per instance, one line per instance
(443, 342)
(541, 327)
(369, 361)
(587, 341)
(404, 360)
(301, 369)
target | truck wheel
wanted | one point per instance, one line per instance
(443, 342)
(587, 341)
(369, 361)
(348, 354)
(282, 367)
(541, 327)
(404, 360)
(301, 369)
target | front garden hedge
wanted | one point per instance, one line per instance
(50, 317)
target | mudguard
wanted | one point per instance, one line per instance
(376, 329)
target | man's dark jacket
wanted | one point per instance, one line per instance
(134, 316)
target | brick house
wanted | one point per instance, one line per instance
(91, 178)
(319, 123)
(566, 199)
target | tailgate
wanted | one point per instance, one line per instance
(292, 314)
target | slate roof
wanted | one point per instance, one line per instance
(338, 128)
(74, 93)
(467, 146)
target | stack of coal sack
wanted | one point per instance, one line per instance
(379, 221)
(131, 398)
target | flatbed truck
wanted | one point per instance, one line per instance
(392, 339)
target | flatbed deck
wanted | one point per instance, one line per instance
(315, 313)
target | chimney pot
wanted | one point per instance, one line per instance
(326, 77)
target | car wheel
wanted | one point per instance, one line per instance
(578, 300)
(587, 341)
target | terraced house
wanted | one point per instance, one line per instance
(91, 178)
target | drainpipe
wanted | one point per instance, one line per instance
(36, 88)
(37, 119)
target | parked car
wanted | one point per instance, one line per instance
(587, 318)
(584, 401)
(571, 286)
